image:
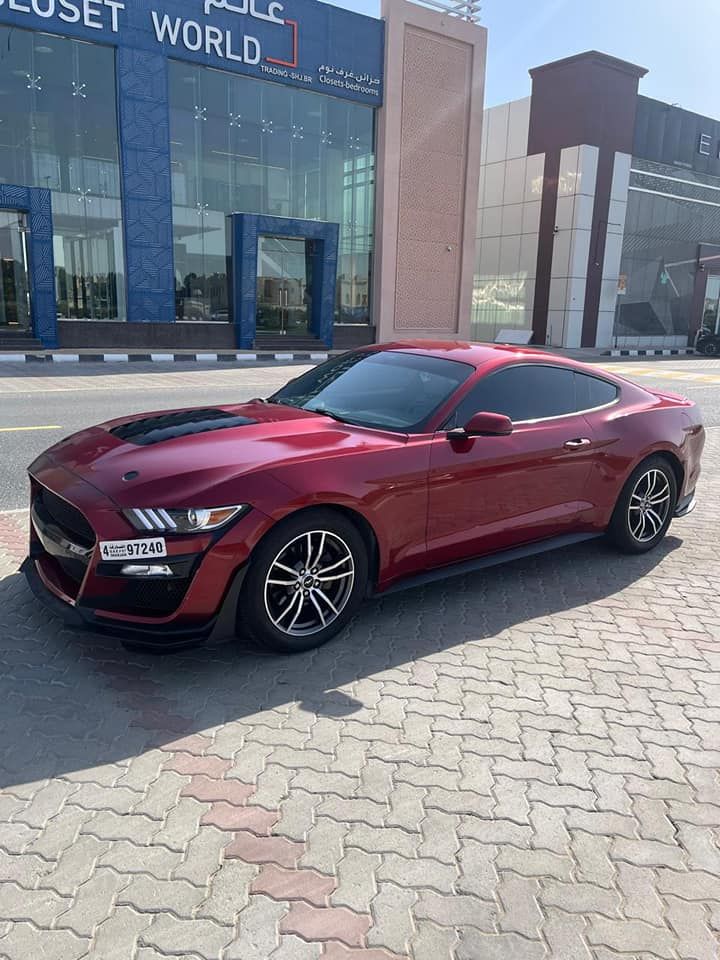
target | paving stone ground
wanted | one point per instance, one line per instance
(519, 764)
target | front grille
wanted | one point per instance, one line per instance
(67, 517)
(145, 597)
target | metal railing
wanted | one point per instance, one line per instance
(464, 9)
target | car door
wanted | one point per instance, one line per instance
(489, 493)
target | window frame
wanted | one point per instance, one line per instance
(601, 406)
(533, 363)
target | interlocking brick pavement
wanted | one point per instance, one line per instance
(522, 763)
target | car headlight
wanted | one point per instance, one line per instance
(192, 520)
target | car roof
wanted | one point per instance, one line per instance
(476, 354)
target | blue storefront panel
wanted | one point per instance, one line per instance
(302, 44)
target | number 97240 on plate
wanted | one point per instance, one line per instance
(133, 549)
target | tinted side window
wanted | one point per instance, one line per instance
(528, 392)
(592, 392)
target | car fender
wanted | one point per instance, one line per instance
(299, 502)
(388, 489)
(644, 433)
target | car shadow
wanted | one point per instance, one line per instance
(72, 700)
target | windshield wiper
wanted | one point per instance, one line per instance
(324, 413)
(332, 415)
(279, 403)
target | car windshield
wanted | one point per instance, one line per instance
(389, 389)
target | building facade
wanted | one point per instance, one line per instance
(214, 174)
(598, 214)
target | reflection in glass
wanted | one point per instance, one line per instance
(239, 144)
(14, 289)
(669, 212)
(284, 289)
(711, 307)
(58, 131)
(500, 303)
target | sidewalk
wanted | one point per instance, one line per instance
(93, 355)
(251, 357)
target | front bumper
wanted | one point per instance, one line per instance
(65, 571)
(158, 636)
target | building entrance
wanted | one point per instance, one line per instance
(283, 278)
(711, 307)
(14, 278)
(284, 287)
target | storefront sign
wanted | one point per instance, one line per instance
(92, 14)
(676, 137)
(301, 42)
(707, 147)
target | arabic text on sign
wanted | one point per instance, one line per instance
(247, 7)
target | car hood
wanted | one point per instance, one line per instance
(179, 458)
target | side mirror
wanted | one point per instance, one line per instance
(483, 425)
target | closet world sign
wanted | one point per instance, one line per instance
(242, 46)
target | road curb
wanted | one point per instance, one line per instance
(653, 353)
(231, 357)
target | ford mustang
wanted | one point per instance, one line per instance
(384, 467)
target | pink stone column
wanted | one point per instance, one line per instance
(428, 168)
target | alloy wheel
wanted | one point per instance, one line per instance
(309, 583)
(649, 505)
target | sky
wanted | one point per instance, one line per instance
(676, 40)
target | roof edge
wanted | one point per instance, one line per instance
(603, 59)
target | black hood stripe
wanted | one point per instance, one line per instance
(169, 426)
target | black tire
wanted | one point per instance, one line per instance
(641, 518)
(341, 590)
(711, 348)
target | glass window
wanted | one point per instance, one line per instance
(670, 211)
(711, 307)
(392, 390)
(593, 392)
(527, 392)
(58, 130)
(240, 144)
(14, 289)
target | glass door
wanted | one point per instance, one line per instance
(711, 307)
(283, 286)
(14, 285)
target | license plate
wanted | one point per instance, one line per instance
(144, 549)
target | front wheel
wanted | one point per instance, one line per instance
(645, 507)
(305, 581)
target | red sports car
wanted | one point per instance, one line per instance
(383, 467)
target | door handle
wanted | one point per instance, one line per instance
(577, 443)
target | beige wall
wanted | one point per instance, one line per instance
(428, 164)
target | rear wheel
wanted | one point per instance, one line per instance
(645, 507)
(305, 581)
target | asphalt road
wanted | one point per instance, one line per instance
(39, 407)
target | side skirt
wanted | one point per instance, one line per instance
(492, 560)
